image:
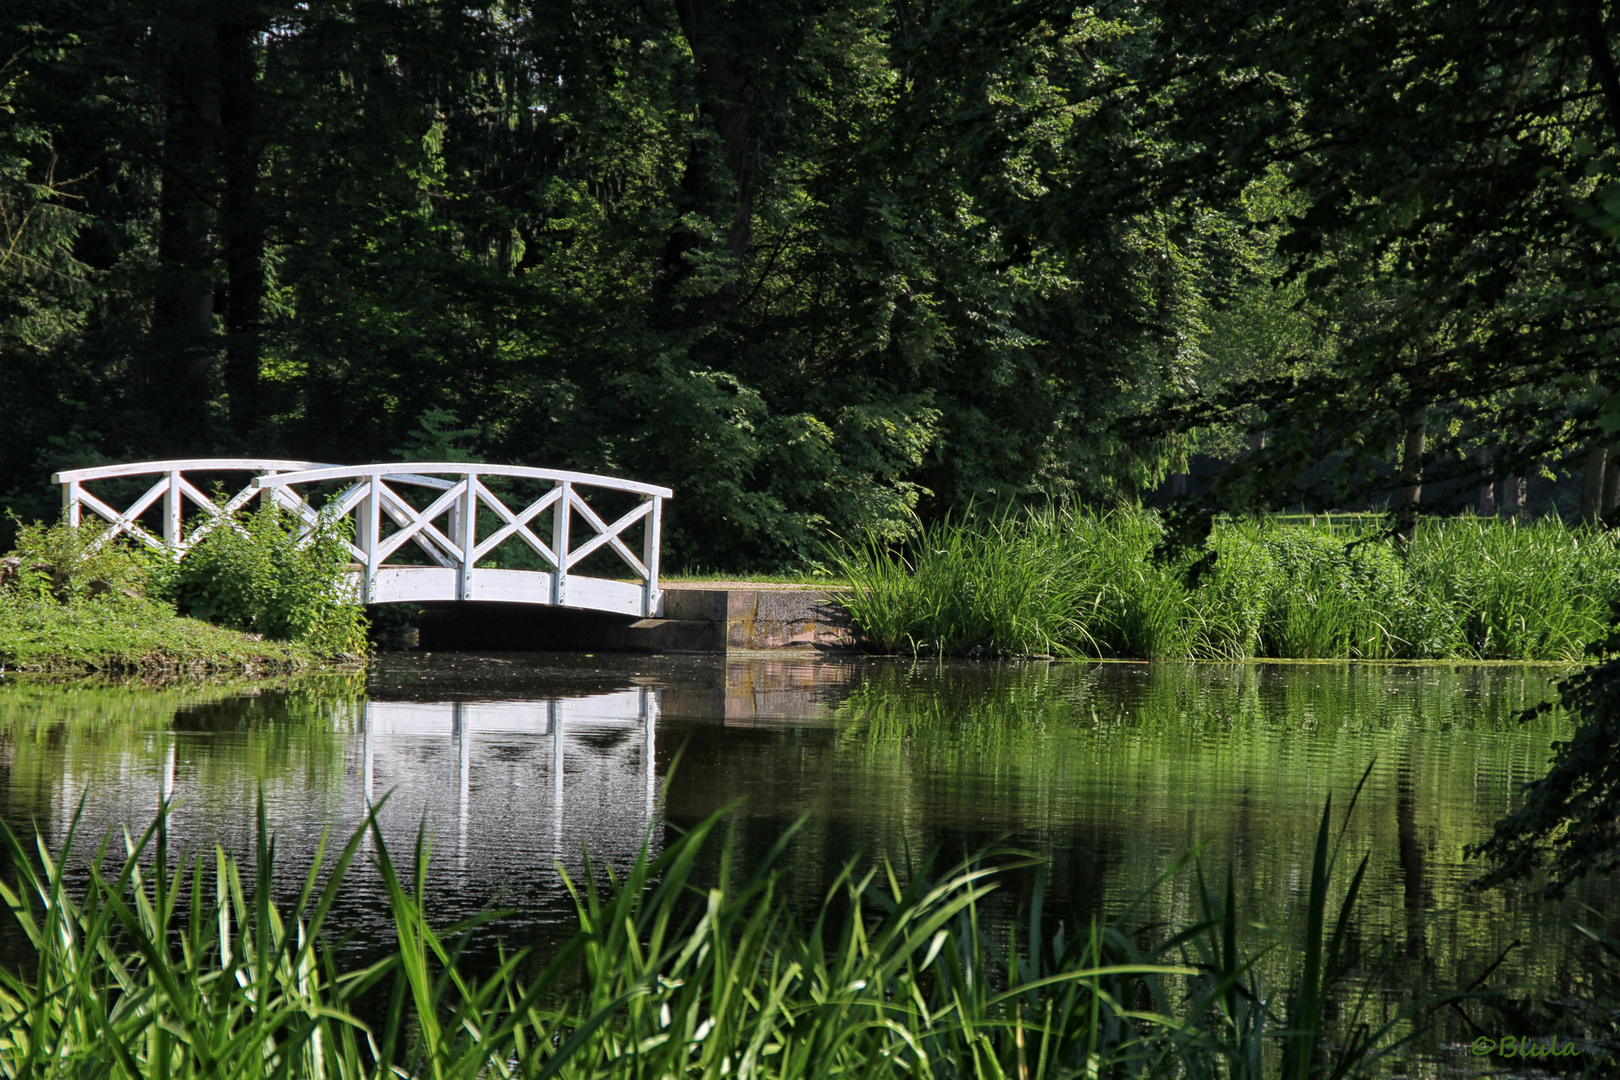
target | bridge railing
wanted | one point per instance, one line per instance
(176, 490)
(457, 549)
(456, 494)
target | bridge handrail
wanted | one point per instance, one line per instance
(278, 465)
(459, 468)
(459, 548)
(174, 489)
(138, 468)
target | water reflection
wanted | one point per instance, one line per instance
(521, 754)
(505, 791)
(512, 765)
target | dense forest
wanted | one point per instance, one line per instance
(821, 266)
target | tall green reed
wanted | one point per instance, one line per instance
(152, 970)
(1089, 585)
(994, 586)
(1521, 591)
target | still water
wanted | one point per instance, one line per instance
(513, 764)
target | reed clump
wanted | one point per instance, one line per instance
(1077, 583)
(168, 967)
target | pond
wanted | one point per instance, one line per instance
(513, 764)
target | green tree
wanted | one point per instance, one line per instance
(1438, 159)
(819, 266)
(1449, 168)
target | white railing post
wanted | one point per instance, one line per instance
(466, 535)
(559, 541)
(649, 554)
(171, 514)
(649, 747)
(370, 520)
(70, 502)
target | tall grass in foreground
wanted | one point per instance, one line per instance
(153, 970)
(1077, 583)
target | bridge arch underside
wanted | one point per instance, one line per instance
(500, 626)
(428, 584)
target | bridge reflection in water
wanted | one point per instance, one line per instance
(503, 791)
(514, 764)
(520, 753)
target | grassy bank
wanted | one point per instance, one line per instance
(1075, 583)
(129, 635)
(168, 967)
(262, 598)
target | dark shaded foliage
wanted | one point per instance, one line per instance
(806, 262)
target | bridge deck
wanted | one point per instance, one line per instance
(422, 584)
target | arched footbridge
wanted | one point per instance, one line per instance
(421, 531)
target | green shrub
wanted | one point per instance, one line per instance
(72, 600)
(267, 578)
(69, 563)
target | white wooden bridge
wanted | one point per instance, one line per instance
(420, 530)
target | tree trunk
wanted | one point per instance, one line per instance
(1257, 433)
(243, 221)
(1487, 488)
(1589, 21)
(1513, 496)
(182, 347)
(1611, 486)
(1411, 489)
(722, 44)
(1597, 461)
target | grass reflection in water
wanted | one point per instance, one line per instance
(1107, 773)
(160, 968)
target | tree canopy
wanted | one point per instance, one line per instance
(815, 265)
(808, 263)
(1445, 168)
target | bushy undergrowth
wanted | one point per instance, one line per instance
(177, 968)
(246, 599)
(1075, 583)
(268, 578)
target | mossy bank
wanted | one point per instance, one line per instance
(130, 635)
